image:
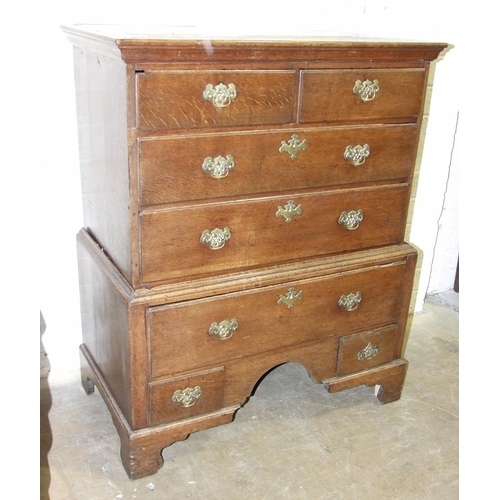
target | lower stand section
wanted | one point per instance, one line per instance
(141, 450)
(389, 377)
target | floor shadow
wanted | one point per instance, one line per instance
(45, 429)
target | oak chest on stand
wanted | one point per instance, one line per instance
(245, 204)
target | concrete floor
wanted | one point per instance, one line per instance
(292, 440)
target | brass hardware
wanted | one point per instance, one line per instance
(290, 297)
(187, 397)
(352, 219)
(223, 330)
(218, 167)
(293, 146)
(357, 155)
(351, 301)
(367, 90)
(369, 352)
(220, 95)
(289, 211)
(216, 238)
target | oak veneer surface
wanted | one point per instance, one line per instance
(294, 280)
(170, 100)
(171, 238)
(259, 167)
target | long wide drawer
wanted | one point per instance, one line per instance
(169, 100)
(223, 165)
(225, 237)
(199, 333)
(361, 95)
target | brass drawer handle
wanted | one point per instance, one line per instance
(351, 301)
(352, 219)
(289, 211)
(218, 167)
(369, 352)
(357, 155)
(293, 146)
(367, 90)
(187, 397)
(223, 330)
(290, 298)
(220, 95)
(216, 238)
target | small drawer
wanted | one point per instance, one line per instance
(225, 237)
(367, 349)
(223, 165)
(201, 333)
(178, 100)
(184, 397)
(362, 95)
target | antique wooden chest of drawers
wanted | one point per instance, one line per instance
(245, 204)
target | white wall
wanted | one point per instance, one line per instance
(60, 207)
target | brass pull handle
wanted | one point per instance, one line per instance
(352, 219)
(367, 90)
(218, 167)
(290, 298)
(223, 330)
(293, 146)
(357, 155)
(289, 211)
(220, 95)
(216, 238)
(187, 397)
(351, 301)
(369, 352)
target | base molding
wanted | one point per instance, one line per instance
(388, 379)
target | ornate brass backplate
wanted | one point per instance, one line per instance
(366, 90)
(351, 219)
(357, 155)
(219, 166)
(187, 397)
(220, 95)
(369, 352)
(216, 238)
(293, 146)
(351, 301)
(223, 330)
(289, 211)
(290, 298)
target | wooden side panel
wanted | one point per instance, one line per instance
(105, 329)
(405, 303)
(101, 99)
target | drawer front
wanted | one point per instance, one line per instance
(186, 396)
(367, 349)
(213, 331)
(222, 165)
(330, 95)
(178, 100)
(225, 237)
